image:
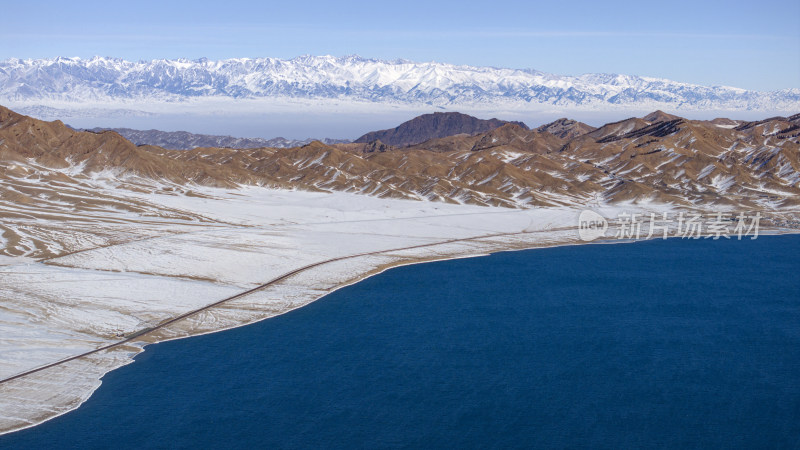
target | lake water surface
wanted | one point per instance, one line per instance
(678, 343)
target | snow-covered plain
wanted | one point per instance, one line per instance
(208, 245)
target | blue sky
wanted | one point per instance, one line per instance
(753, 44)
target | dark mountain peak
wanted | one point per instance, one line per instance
(434, 126)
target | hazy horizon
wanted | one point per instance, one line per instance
(351, 126)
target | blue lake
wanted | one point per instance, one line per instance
(656, 344)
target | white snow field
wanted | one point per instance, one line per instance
(76, 278)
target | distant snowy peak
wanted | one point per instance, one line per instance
(352, 77)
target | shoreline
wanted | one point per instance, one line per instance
(141, 344)
(454, 237)
(137, 343)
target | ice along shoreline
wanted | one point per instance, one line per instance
(429, 235)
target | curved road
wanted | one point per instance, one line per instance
(162, 325)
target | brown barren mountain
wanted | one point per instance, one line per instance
(659, 157)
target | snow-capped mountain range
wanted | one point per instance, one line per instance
(99, 80)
